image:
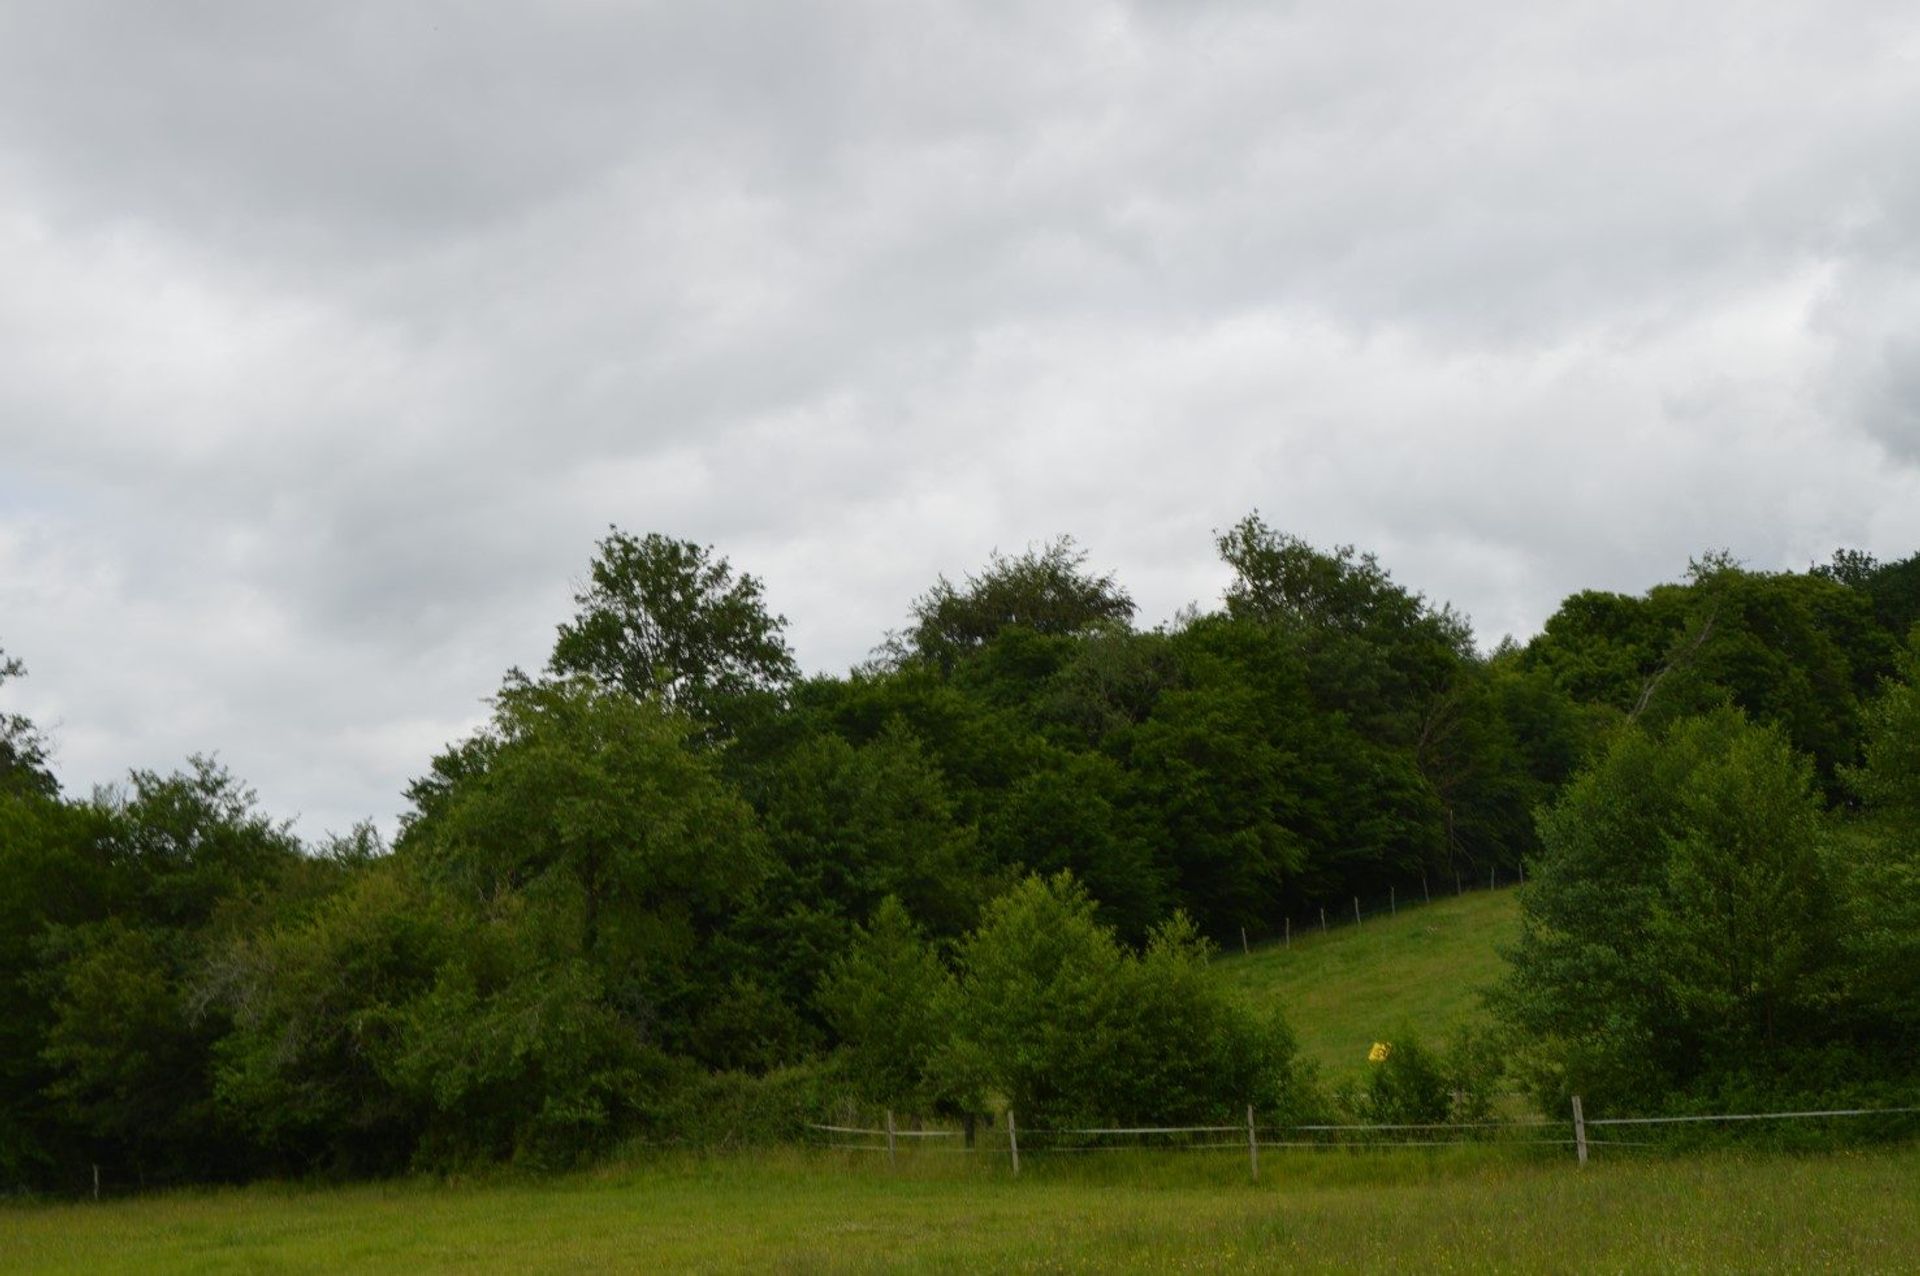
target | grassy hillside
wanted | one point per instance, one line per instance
(788, 1211)
(1356, 985)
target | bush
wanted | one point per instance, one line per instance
(1069, 1027)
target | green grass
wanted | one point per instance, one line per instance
(1355, 985)
(820, 1212)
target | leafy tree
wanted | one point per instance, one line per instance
(669, 618)
(515, 1052)
(1068, 1026)
(891, 1000)
(1883, 867)
(1076, 814)
(138, 889)
(23, 750)
(584, 807)
(1799, 651)
(1047, 589)
(1680, 922)
(1893, 588)
(57, 872)
(1375, 651)
(314, 1006)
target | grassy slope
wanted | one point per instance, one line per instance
(791, 1211)
(1353, 986)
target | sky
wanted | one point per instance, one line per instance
(332, 337)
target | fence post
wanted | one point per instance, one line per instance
(1013, 1141)
(1323, 919)
(1424, 892)
(1393, 901)
(1356, 910)
(1253, 1145)
(1491, 870)
(890, 1161)
(1456, 881)
(1244, 950)
(1289, 932)
(96, 1182)
(1579, 1131)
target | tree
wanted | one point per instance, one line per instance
(1047, 589)
(1883, 866)
(23, 750)
(1069, 1026)
(668, 618)
(889, 998)
(1681, 923)
(583, 807)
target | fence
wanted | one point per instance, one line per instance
(1320, 916)
(1251, 1137)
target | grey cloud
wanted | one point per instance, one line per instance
(334, 337)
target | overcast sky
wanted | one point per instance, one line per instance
(333, 335)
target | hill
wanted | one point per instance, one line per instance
(1355, 985)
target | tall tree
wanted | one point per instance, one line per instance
(23, 750)
(669, 618)
(1682, 921)
(1047, 589)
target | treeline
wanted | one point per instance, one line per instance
(672, 878)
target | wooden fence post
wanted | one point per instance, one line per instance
(1491, 870)
(1244, 950)
(96, 1182)
(890, 1160)
(1356, 910)
(1393, 901)
(1013, 1141)
(1289, 932)
(1323, 919)
(1424, 892)
(1253, 1146)
(1579, 1131)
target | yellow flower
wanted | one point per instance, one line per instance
(1379, 1053)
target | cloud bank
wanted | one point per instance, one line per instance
(332, 338)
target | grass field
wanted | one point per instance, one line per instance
(1355, 985)
(1464, 1209)
(821, 1212)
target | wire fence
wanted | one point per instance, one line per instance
(1318, 916)
(1576, 1132)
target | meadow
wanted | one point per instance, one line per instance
(1459, 1209)
(1343, 990)
(1468, 1210)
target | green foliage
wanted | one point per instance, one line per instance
(1892, 588)
(590, 807)
(889, 997)
(1047, 590)
(669, 619)
(1406, 1083)
(23, 749)
(314, 1005)
(114, 908)
(1882, 866)
(629, 907)
(1078, 814)
(1796, 651)
(1070, 1027)
(1682, 917)
(514, 1054)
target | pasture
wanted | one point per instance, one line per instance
(1353, 985)
(1458, 1210)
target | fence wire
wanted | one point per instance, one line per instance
(1353, 1136)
